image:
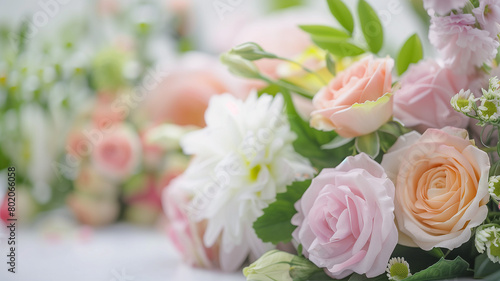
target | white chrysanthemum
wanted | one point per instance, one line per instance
(398, 269)
(489, 239)
(463, 101)
(494, 84)
(489, 109)
(494, 187)
(242, 159)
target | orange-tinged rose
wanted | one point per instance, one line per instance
(357, 101)
(441, 183)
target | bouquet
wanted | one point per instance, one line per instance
(345, 163)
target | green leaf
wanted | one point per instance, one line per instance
(310, 140)
(340, 11)
(338, 47)
(330, 64)
(369, 144)
(371, 26)
(394, 128)
(484, 267)
(411, 52)
(275, 224)
(443, 269)
(337, 142)
(324, 31)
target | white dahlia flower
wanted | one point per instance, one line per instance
(242, 159)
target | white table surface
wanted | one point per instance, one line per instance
(114, 253)
(64, 251)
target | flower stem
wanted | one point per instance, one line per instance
(304, 68)
(289, 86)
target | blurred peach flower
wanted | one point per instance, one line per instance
(182, 97)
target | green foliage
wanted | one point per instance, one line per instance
(411, 52)
(324, 31)
(443, 269)
(340, 11)
(275, 224)
(369, 144)
(371, 26)
(338, 47)
(330, 64)
(309, 140)
(484, 267)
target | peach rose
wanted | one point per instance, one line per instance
(441, 183)
(357, 101)
(182, 97)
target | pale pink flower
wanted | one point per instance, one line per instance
(185, 233)
(117, 153)
(462, 46)
(278, 34)
(444, 7)
(357, 101)
(345, 219)
(488, 16)
(423, 101)
(441, 183)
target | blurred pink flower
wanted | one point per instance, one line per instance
(344, 226)
(278, 33)
(117, 153)
(182, 97)
(185, 233)
(423, 101)
(488, 16)
(357, 101)
(444, 7)
(103, 114)
(462, 46)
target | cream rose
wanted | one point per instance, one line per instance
(441, 183)
(357, 101)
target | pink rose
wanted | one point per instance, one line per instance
(185, 233)
(441, 183)
(444, 7)
(357, 101)
(345, 219)
(424, 98)
(182, 97)
(117, 153)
